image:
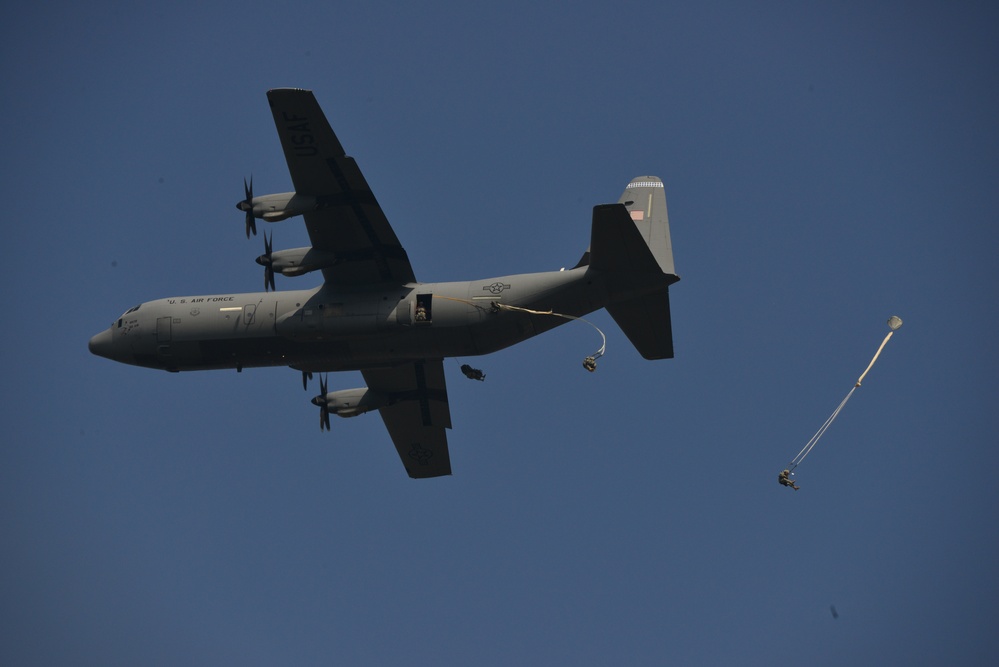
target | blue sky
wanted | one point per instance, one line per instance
(825, 167)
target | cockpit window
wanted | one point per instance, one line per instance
(130, 310)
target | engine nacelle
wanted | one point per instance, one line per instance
(299, 261)
(272, 208)
(353, 402)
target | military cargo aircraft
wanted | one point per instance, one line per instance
(372, 315)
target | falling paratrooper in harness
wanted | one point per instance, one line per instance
(473, 373)
(785, 479)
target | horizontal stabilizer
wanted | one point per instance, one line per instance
(646, 322)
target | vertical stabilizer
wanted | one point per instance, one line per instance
(630, 249)
(645, 199)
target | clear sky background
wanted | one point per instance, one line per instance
(825, 168)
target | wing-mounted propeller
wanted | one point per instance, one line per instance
(346, 402)
(267, 261)
(272, 208)
(247, 205)
(322, 401)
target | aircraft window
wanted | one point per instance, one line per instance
(133, 309)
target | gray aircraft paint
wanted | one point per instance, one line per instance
(371, 315)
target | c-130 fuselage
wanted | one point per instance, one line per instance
(323, 329)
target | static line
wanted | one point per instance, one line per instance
(590, 362)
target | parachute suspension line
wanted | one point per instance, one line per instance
(590, 362)
(894, 322)
(818, 434)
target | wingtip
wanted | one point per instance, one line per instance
(288, 89)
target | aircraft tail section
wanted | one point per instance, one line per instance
(647, 324)
(645, 199)
(645, 202)
(631, 250)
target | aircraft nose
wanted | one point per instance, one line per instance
(101, 344)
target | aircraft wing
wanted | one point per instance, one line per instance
(347, 221)
(417, 414)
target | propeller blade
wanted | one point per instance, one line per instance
(306, 376)
(251, 223)
(320, 400)
(265, 261)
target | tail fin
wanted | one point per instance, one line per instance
(630, 246)
(645, 199)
